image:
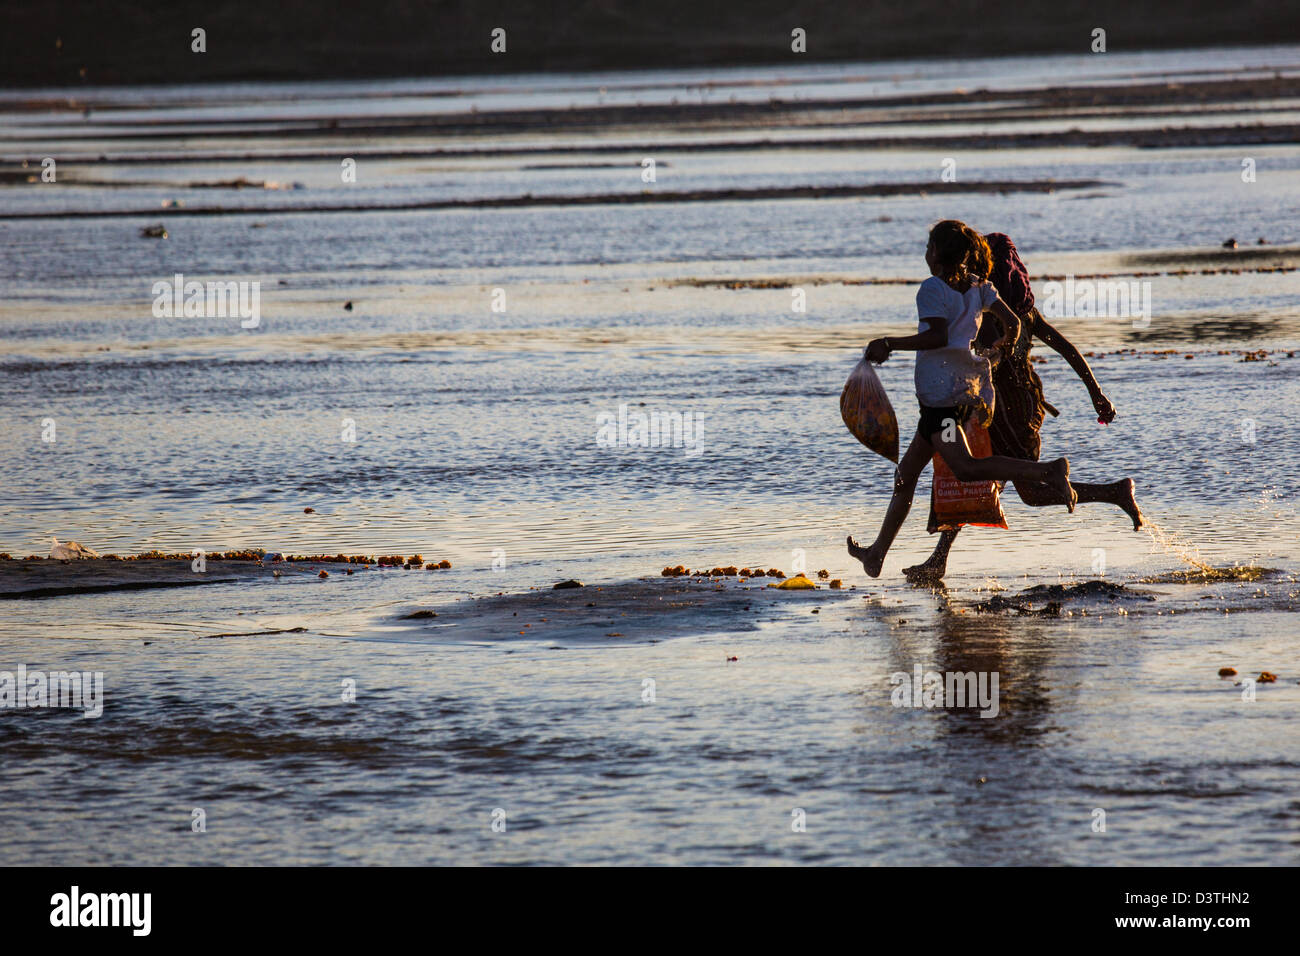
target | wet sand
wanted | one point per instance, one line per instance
(44, 578)
(647, 610)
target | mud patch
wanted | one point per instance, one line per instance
(1088, 590)
(1052, 598)
(1021, 608)
(645, 610)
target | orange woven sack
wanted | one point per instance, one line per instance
(865, 408)
(954, 503)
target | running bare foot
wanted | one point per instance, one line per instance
(932, 569)
(1060, 482)
(870, 563)
(1129, 503)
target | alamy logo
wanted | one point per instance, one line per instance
(1088, 298)
(656, 429)
(102, 909)
(208, 300)
(23, 689)
(953, 689)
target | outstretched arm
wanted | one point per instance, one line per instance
(1054, 340)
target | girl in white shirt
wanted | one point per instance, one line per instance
(952, 382)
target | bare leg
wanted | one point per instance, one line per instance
(936, 565)
(918, 455)
(956, 455)
(1118, 493)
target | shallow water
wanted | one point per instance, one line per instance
(476, 441)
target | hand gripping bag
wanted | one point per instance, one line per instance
(865, 408)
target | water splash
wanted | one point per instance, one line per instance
(1172, 543)
(1198, 571)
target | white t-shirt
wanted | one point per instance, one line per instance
(953, 375)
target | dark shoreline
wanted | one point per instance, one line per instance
(75, 42)
(644, 197)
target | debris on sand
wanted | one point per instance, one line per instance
(564, 585)
(283, 630)
(730, 571)
(1266, 677)
(70, 551)
(1227, 672)
(797, 583)
(258, 555)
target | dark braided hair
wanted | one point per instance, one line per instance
(961, 252)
